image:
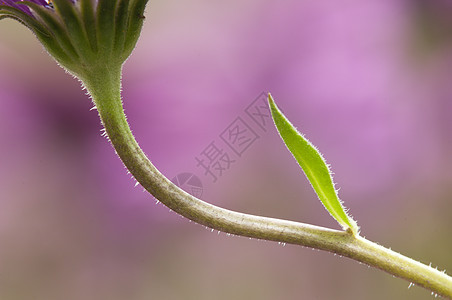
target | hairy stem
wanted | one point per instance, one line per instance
(105, 90)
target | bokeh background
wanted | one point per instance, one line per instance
(368, 81)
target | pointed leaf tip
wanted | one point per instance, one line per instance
(314, 166)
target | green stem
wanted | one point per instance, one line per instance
(105, 89)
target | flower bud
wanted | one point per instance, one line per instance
(84, 36)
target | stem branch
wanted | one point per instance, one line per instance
(105, 90)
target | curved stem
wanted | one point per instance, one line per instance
(105, 90)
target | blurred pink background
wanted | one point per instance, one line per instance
(368, 82)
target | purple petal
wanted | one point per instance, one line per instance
(24, 8)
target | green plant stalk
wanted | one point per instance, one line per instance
(105, 88)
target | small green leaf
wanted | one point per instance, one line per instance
(314, 166)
